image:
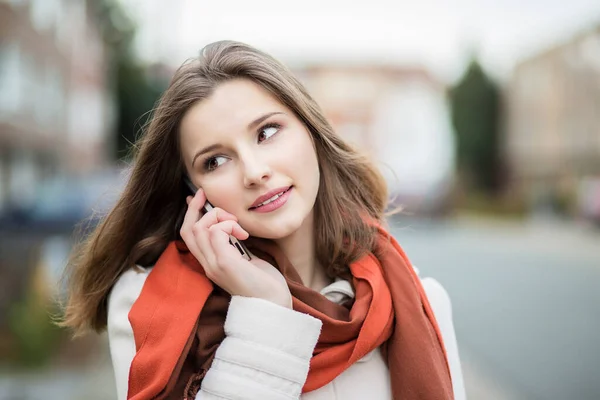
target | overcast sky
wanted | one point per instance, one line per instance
(436, 33)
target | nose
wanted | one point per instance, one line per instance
(256, 171)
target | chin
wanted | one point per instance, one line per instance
(274, 229)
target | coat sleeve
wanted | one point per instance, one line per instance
(265, 354)
(120, 334)
(442, 309)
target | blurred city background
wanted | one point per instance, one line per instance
(484, 117)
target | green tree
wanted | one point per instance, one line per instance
(136, 97)
(135, 94)
(475, 116)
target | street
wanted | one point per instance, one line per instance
(525, 300)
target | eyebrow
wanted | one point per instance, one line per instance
(251, 126)
(258, 120)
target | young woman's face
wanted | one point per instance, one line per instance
(241, 143)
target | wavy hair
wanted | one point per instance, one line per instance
(149, 212)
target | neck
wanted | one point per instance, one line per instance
(299, 248)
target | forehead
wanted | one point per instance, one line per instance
(231, 106)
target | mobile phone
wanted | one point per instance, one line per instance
(206, 208)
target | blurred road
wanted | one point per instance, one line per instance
(526, 309)
(526, 302)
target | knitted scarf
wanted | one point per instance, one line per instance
(178, 323)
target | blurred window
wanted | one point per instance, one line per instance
(86, 111)
(10, 78)
(43, 14)
(23, 178)
(50, 104)
(60, 22)
(15, 2)
(590, 51)
(78, 33)
(29, 83)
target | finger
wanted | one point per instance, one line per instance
(232, 228)
(198, 200)
(219, 235)
(194, 206)
(221, 255)
(191, 217)
(215, 216)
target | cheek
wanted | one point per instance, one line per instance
(222, 193)
(309, 160)
(304, 167)
(302, 152)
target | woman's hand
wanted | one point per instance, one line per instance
(207, 238)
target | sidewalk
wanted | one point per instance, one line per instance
(90, 382)
(548, 233)
(480, 384)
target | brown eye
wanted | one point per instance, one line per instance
(267, 131)
(213, 162)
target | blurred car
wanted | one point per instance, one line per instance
(64, 203)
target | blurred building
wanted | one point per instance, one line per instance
(55, 106)
(400, 116)
(552, 138)
(158, 30)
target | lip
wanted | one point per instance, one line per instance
(268, 195)
(275, 204)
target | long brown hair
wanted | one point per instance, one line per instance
(148, 214)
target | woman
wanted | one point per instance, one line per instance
(327, 307)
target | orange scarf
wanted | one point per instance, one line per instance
(178, 324)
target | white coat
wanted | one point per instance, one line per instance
(264, 357)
